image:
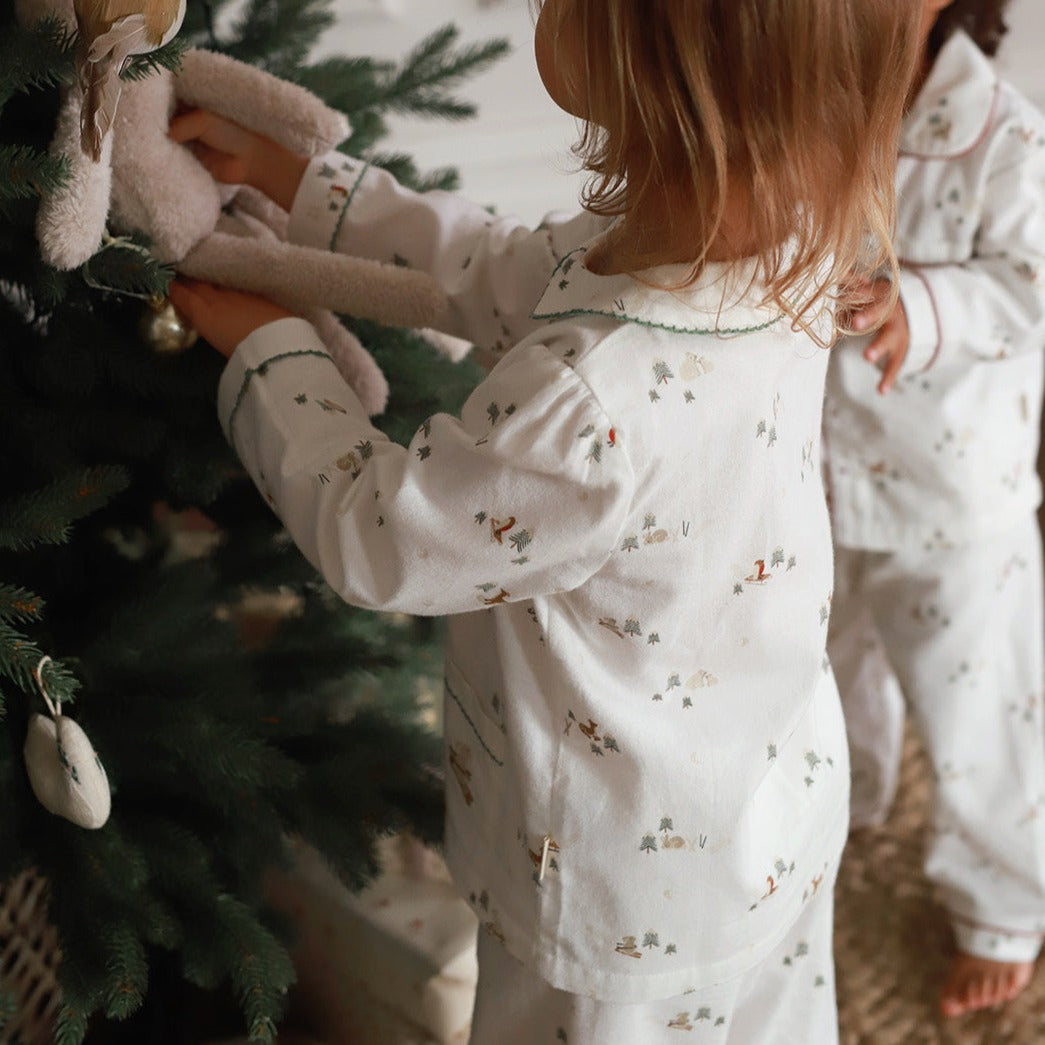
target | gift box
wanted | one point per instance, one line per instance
(391, 965)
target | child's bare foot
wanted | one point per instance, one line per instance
(978, 983)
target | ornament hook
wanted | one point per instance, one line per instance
(54, 706)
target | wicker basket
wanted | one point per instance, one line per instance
(29, 958)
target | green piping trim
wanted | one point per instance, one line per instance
(260, 369)
(624, 317)
(468, 718)
(344, 210)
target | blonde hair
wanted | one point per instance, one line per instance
(792, 106)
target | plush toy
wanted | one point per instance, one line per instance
(142, 181)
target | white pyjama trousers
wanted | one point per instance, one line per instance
(787, 999)
(958, 633)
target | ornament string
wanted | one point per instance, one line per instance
(111, 242)
(54, 706)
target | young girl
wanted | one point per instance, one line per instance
(647, 782)
(934, 490)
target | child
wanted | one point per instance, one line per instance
(933, 491)
(648, 787)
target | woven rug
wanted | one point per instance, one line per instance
(893, 944)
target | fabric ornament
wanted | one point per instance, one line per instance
(66, 774)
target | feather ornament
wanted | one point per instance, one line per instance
(111, 31)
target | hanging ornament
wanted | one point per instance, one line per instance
(164, 328)
(66, 775)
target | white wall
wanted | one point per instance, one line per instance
(515, 155)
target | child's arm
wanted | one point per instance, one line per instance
(509, 502)
(494, 270)
(991, 306)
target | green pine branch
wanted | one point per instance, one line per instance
(278, 35)
(19, 604)
(124, 265)
(168, 57)
(127, 971)
(421, 83)
(35, 58)
(25, 172)
(19, 659)
(46, 515)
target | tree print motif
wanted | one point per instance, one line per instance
(630, 948)
(494, 413)
(518, 541)
(595, 445)
(662, 374)
(631, 626)
(670, 841)
(599, 743)
(674, 682)
(648, 844)
(629, 544)
(1028, 710)
(492, 924)
(814, 762)
(531, 612)
(801, 951)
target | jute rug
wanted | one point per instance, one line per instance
(893, 945)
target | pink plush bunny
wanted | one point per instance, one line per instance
(234, 236)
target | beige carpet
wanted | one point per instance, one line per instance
(893, 945)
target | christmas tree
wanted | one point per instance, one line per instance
(219, 743)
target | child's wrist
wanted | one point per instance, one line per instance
(279, 174)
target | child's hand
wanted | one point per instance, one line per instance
(223, 317)
(237, 156)
(888, 349)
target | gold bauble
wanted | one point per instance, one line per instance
(164, 329)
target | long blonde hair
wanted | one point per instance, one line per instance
(795, 104)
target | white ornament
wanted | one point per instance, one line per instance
(66, 774)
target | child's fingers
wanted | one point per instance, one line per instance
(891, 371)
(887, 351)
(222, 166)
(190, 125)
